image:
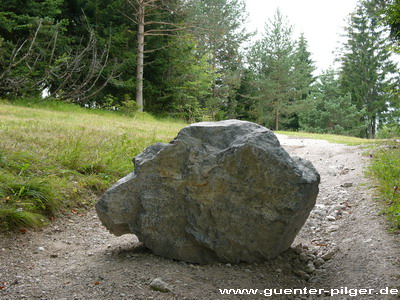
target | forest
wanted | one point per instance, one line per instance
(195, 60)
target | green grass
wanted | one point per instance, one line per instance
(56, 156)
(385, 168)
(333, 138)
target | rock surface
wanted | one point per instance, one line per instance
(220, 191)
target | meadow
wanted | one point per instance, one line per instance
(57, 157)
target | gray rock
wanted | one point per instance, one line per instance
(220, 191)
(157, 284)
(329, 255)
(310, 268)
(318, 262)
(333, 228)
(303, 257)
(302, 274)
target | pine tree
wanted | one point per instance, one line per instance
(367, 65)
(273, 60)
(391, 11)
(218, 25)
(304, 68)
(26, 47)
(303, 80)
(329, 111)
(152, 18)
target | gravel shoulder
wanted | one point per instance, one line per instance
(344, 244)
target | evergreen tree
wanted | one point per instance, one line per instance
(153, 18)
(304, 68)
(218, 25)
(303, 80)
(367, 65)
(179, 80)
(328, 111)
(391, 11)
(273, 60)
(27, 33)
(112, 31)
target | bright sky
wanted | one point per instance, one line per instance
(321, 21)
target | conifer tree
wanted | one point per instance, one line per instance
(329, 111)
(218, 25)
(367, 66)
(273, 59)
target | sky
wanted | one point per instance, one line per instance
(321, 21)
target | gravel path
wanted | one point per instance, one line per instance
(343, 245)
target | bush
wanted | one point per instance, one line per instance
(389, 132)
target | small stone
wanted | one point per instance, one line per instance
(321, 213)
(159, 285)
(331, 218)
(302, 274)
(319, 262)
(344, 171)
(299, 249)
(329, 255)
(311, 256)
(340, 207)
(347, 184)
(333, 228)
(41, 249)
(228, 265)
(310, 268)
(303, 257)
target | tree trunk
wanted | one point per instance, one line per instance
(373, 127)
(140, 55)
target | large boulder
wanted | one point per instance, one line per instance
(220, 191)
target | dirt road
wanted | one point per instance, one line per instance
(344, 245)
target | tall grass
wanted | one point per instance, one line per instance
(385, 168)
(56, 156)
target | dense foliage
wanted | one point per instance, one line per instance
(195, 60)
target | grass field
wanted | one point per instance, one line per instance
(56, 157)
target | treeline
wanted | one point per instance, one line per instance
(195, 60)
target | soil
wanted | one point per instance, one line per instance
(344, 246)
